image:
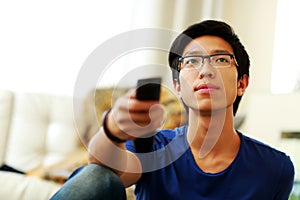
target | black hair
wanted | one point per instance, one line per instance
(213, 28)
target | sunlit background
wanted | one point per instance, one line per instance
(285, 69)
(43, 45)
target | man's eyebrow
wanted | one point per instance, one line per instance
(199, 52)
(220, 51)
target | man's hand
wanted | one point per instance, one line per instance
(132, 118)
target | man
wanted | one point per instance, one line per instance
(206, 159)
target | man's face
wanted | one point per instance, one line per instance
(207, 88)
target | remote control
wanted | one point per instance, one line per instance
(147, 89)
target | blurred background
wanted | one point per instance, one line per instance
(44, 44)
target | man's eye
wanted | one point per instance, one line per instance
(192, 61)
(222, 60)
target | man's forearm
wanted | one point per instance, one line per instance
(104, 152)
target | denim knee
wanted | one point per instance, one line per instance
(92, 182)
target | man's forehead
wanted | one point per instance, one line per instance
(207, 45)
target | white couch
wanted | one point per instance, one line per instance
(38, 134)
(36, 131)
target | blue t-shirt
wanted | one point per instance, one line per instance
(258, 172)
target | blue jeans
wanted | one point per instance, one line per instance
(92, 182)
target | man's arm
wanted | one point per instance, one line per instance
(124, 163)
(130, 118)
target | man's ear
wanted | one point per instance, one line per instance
(177, 87)
(242, 84)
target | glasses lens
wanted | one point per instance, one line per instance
(220, 60)
(191, 62)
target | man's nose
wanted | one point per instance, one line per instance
(206, 70)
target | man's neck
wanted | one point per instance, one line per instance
(211, 133)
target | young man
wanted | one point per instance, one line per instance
(206, 159)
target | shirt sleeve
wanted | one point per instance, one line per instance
(286, 181)
(130, 146)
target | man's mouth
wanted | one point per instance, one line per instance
(206, 88)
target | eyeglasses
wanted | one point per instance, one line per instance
(215, 60)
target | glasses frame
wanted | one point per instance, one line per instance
(232, 57)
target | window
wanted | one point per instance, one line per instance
(45, 43)
(286, 68)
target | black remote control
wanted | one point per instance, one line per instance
(147, 89)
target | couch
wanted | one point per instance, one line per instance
(40, 144)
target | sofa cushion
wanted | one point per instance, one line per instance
(17, 186)
(42, 131)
